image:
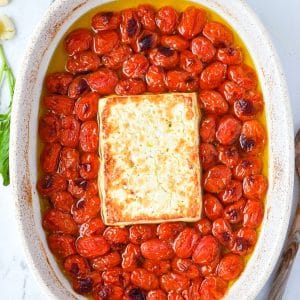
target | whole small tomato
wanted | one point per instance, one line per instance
(77, 87)
(106, 21)
(175, 42)
(228, 155)
(190, 62)
(230, 266)
(89, 166)
(132, 258)
(203, 226)
(144, 279)
(212, 207)
(166, 20)
(80, 188)
(233, 213)
(216, 178)
(228, 131)
(84, 284)
(106, 262)
(255, 187)
(78, 40)
(145, 41)
(107, 291)
(213, 287)
(174, 282)
(222, 231)
(69, 133)
(213, 102)
(83, 62)
(116, 235)
(61, 245)
(130, 87)
(243, 75)
(94, 226)
(92, 246)
(58, 104)
(219, 34)
(103, 81)
(62, 200)
(146, 14)
(155, 79)
(230, 55)
(156, 249)
(86, 107)
(105, 41)
(49, 184)
(169, 231)
(88, 137)
(157, 267)
(232, 192)
(245, 240)
(116, 276)
(173, 295)
(49, 128)
(181, 81)
(192, 21)
(185, 267)
(140, 233)
(57, 221)
(253, 137)
(156, 295)
(253, 214)
(68, 164)
(49, 157)
(135, 66)
(164, 57)
(130, 26)
(116, 57)
(203, 49)
(58, 83)
(208, 128)
(185, 243)
(76, 266)
(86, 209)
(213, 75)
(231, 91)
(208, 155)
(247, 165)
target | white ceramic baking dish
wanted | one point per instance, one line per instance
(23, 147)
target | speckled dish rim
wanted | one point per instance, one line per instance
(23, 144)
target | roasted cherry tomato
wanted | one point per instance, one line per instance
(106, 262)
(135, 66)
(230, 55)
(216, 179)
(140, 233)
(58, 83)
(116, 235)
(146, 14)
(185, 267)
(105, 41)
(88, 137)
(213, 287)
(181, 81)
(174, 282)
(192, 21)
(166, 20)
(76, 266)
(208, 155)
(230, 267)
(231, 91)
(203, 226)
(92, 246)
(116, 276)
(69, 133)
(130, 26)
(222, 231)
(92, 227)
(62, 245)
(248, 165)
(132, 258)
(83, 62)
(208, 128)
(190, 62)
(49, 184)
(89, 166)
(156, 249)
(233, 213)
(175, 42)
(144, 279)
(164, 57)
(245, 240)
(157, 267)
(145, 41)
(130, 87)
(49, 157)
(155, 79)
(219, 34)
(203, 49)
(212, 207)
(185, 242)
(106, 21)
(116, 57)
(228, 130)
(253, 214)
(255, 187)
(86, 209)
(78, 40)
(243, 75)
(68, 164)
(84, 284)
(86, 107)
(49, 128)
(232, 192)
(82, 188)
(156, 295)
(169, 231)
(213, 75)
(213, 102)
(77, 87)
(58, 104)
(108, 291)
(62, 200)
(228, 155)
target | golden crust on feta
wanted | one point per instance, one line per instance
(149, 152)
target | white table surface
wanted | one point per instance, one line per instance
(281, 18)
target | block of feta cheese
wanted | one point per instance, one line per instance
(149, 158)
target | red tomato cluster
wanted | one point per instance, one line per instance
(131, 52)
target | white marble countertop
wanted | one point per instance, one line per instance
(280, 17)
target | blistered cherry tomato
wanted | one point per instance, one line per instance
(146, 14)
(116, 276)
(58, 83)
(107, 291)
(213, 102)
(185, 267)
(175, 42)
(232, 192)
(82, 188)
(173, 295)
(157, 267)
(106, 21)
(208, 155)
(49, 157)
(130, 87)
(245, 240)
(243, 75)
(49, 184)
(212, 207)
(253, 214)
(92, 246)
(89, 166)
(219, 34)
(69, 133)
(49, 128)
(213, 75)
(216, 178)
(234, 213)
(78, 40)
(174, 282)
(132, 258)
(230, 55)
(106, 262)
(207, 249)
(228, 130)
(144, 279)
(145, 41)
(57, 221)
(190, 62)
(255, 187)
(185, 243)
(228, 155)
(76, 266)
(86, 107)
(213, 287)
(156, 249)
(88, 137)
(105, 41)
(248, 165)
(116, 235)
(140, 233)
(203, 48)
(164, 57)
(77, 87)
(169, 231)
(86, 209)
(130, 26)
(222, 231)
(203, 226)
(231, 91)
(92, 227)
(155, 79)
(116, 57)
(166, 19)
(156, 295)
(208, 128)
(181, 81)
(253, 137)
(68, 164)
(84, 284)
(62, 200)
(62, 245)
(135, 66)
(194, 289)
(230, 267)
(82, 62)
(58, 104)
(192, 21)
